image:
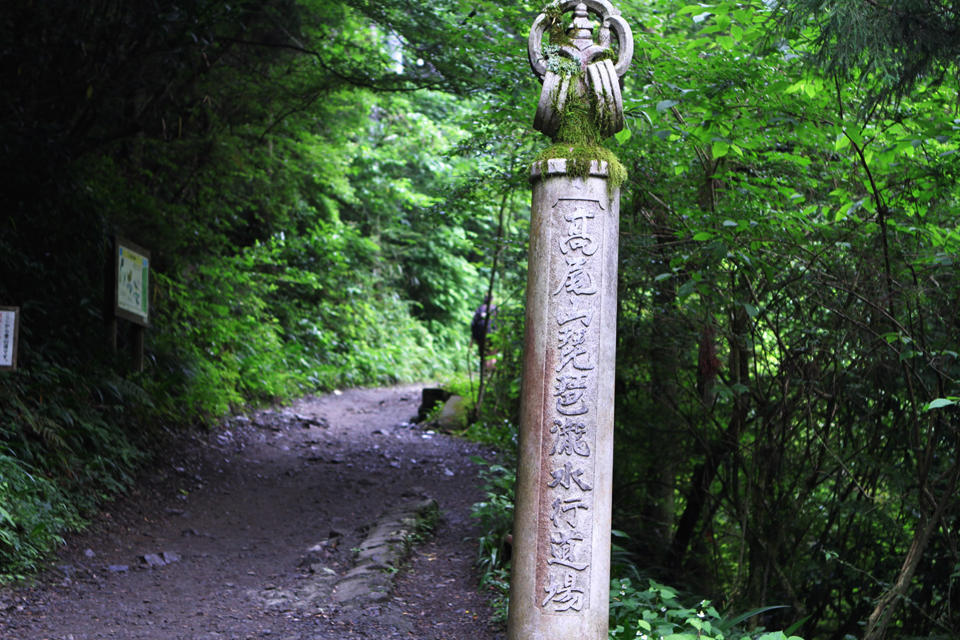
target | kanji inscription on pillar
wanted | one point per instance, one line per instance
(569, 419)
(559, 587)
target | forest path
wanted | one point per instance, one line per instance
(253, 528)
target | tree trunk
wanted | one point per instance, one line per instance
(887, 604)
(666, 424)
(482, 347)
(717, 452)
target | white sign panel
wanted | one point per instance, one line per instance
(133, 281)
(9, 319)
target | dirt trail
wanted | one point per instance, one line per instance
(252, 528)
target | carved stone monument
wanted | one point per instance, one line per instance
(561, 559)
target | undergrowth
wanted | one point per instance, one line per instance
(64, 447)
(652, 612)
(495, 514)
(278, 319)
(640, 607)
(658, 612)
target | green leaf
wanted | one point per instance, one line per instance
(734, 621)
(663, 105)
(939, 403)
(623, 136)
(5, 515)
(720, 148)
(795, 87)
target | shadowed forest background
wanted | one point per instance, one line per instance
(328, 190)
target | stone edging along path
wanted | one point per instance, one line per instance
(383, 551)
(307, 522)
(377, 561)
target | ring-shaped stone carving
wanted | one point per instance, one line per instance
(616, 97)
(535, 47)
(601, 79)
(625, 38)
(553, 97)
(604, 84)
(610, 17)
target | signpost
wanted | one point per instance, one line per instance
(561, 559)
(9, 337)
(132, 269)
(129, 286)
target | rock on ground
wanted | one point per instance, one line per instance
(253, 530)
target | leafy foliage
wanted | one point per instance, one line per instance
(294, 190)
(786, 366)
(35, 515)
(61, 454)
(495, 514)
(657, 613)
(895, 45)
(774, 293)
(328, 190)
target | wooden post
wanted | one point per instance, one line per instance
(110, 296)
(139, 334)
(128, 295)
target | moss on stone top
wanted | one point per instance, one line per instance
(578, 139)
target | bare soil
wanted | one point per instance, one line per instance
(247, 532)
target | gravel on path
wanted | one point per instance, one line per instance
(254, 530)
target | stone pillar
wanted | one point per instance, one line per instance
(561, 558)
(561, 538)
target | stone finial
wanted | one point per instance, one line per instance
(580, 60)
(581, 28)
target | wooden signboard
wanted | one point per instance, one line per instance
(9, 337)
(132, 282)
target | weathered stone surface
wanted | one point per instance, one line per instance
(152, 560)
(381, 553)
(452, 415)
(600, 77)
(362, 587)
(561, 559)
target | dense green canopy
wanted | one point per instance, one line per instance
(329, 189)
(890, 47)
